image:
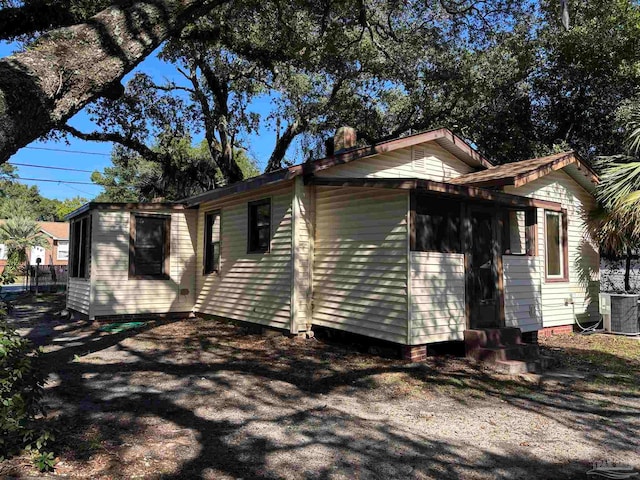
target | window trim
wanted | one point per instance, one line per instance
(564, 247)
(207, 241)
(262, 201)
(166, 263)
(71, 262)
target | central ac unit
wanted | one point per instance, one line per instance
(620, 313)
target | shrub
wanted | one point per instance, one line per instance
(21, 391)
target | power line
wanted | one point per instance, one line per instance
(50, 168)
(78, 190)
(69, 151)
(57, 181)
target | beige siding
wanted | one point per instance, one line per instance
(437, 297)
(583, 284)
(78, 294)
(252, 287)
(114, 293)
(303, 236)
(360, 262)
(522, 292)
(426, 160)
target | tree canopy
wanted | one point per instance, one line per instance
(506, 75)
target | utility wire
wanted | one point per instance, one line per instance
(78, 190)
(50, 168)
(57, 181)
(69, 151)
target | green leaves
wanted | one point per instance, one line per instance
(21, 390)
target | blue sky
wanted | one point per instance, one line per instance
(98, 153)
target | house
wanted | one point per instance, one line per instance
(56, 253)
(414, 241)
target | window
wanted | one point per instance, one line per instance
(63, 250)
(212, 242)
(519, 232)
(556, 255)
(436, 225)
(149, 246)
(259, 226)
(80, 247)
(3, 251)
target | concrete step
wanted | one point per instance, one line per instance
(492, 337)
(517, 367)
(512, 352)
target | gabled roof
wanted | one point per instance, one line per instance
(442, 136)
(525, 171)
(56, 230)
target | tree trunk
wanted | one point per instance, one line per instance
(68, 68)
(627, 272)
(293, 130)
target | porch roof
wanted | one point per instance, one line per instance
(525, 171)
(471, 193)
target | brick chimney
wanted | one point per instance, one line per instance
(344, 139)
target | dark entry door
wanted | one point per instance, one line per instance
(482, 272)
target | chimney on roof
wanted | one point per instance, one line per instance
(344, 139)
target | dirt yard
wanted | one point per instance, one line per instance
(204, 399)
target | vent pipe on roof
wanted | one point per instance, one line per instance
(344, 139)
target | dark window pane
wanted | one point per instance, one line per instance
(553, 244)
(81, 248)
(149, 246)
(212, 242)
(259, 226)
(437, 225)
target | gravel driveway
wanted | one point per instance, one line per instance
(205, 399)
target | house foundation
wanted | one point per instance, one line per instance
(560, 330)
(414, 353)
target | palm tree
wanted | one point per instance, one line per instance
(19, 234)
(615, 222)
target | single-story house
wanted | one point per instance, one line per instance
(412, 241)
(56, 253)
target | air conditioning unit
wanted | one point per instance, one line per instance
(622, 317)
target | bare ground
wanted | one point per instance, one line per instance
(205, 399)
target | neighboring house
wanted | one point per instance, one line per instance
(57, 251)
(413, 241)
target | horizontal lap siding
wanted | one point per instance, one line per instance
(437, 297)
(433, 163)
(79, 294)
(360, 262)
(114, 293)
(252, 287)
(522, 293)
(584, 258)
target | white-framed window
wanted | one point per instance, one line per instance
(555, 245)
(63, 250)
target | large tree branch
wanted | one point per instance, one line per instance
(127, 142)
(294, 129)
(68, 68)
(220, 91)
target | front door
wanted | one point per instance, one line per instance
(482, 272)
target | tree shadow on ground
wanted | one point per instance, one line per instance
(198, 398)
